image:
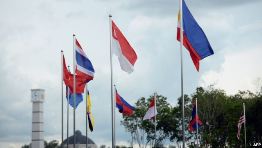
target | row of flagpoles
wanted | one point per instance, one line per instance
(190, 35)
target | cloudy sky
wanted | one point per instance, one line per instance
(32, 33)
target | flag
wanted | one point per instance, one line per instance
(241, 121)
(84, 67)
(194, 39)
(69, 80)
(195, 121)
(70, 97)
(126, 54)
(151, 112)
(89, 115)
(125, 108)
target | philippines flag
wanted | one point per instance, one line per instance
(84, 67)
(195, 122)
(194, 39)
(125, 108)
(152, 112)
(126, 54)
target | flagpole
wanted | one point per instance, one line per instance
(181, 61)
(62, 96)
(196, 124)
(86, 116)
(244, 108)
(112, 91)
(74, 90)
(155, 118)
(67, 122)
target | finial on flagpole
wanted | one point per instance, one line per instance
(74, 35)
(62, 51)
(110, 15)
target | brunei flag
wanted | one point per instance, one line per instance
(88, 112)
(194, 38)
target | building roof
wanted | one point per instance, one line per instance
(80, 139)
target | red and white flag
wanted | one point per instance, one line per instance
(152, 112)
(241, 121)
(120, 46)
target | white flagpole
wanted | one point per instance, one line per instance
(67, 124)
(74, 91)
(155, 118)
(181, 58)
(196, 125)
(244, 109)
(62, 96)
(112, 90)
(86, 114)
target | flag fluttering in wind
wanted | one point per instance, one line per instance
(126, 54)
(69, 80)
(84, 67)
(151, 112)
(195, 121)
(241, 121)
(89, 114)
(70, 97)
(125, 108)
(194, 39)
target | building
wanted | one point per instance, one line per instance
(80, 141)
(37, 98)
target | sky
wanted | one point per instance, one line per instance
(33, 33)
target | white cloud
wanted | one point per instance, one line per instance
(239, 71)
(32, 34)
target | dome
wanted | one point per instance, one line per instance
(80, 140)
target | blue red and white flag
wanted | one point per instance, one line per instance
(125, 108)
(241, 121)
(84, 67)
(194, 38)
(195, 122)
(126, 54)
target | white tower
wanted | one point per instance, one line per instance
(37, 98)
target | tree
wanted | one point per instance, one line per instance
(52, 144)
(143, 130)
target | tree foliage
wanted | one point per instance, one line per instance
(218, 111)
(143, 131)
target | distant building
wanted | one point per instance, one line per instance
(80, 141)
(37, 98)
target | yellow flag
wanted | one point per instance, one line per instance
(89, 115)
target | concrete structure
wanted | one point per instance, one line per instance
(37, 98)
(80, 141)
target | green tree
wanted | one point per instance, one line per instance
(52, 144)
(143, 131)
